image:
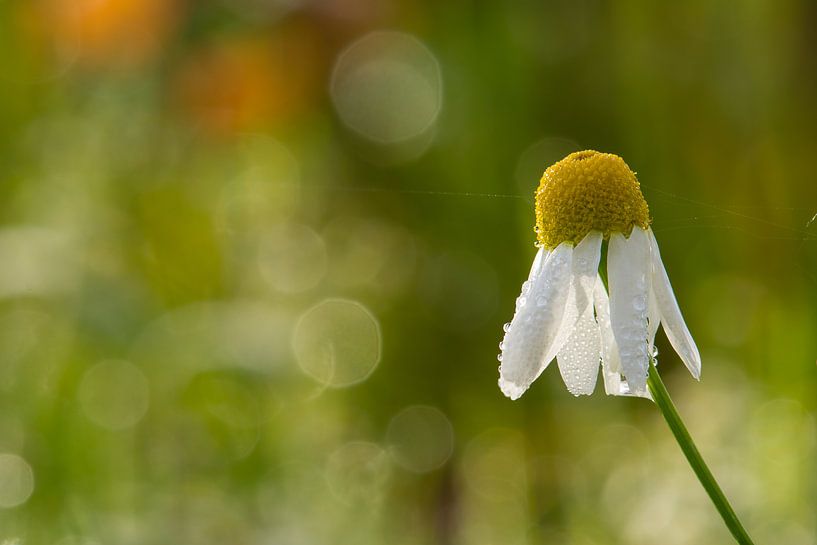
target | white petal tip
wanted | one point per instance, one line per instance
(581, 386)
(693, 365)
(620, 387)
(511, 390)
(577, 394)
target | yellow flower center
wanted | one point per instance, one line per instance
(588, 191)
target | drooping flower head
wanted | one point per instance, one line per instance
(564, 311)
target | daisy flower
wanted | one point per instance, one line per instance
(565, 311)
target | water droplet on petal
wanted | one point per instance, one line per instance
(499, 357)
(506, 327)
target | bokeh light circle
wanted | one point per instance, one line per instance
(387, 87)
(369, 253)
(292, 258)
(36, 261)
(16, 481)
(337, 342)
(421, 438)
(265, 186)
(357, 472)
(114, 394)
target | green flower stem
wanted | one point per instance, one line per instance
(679, 430)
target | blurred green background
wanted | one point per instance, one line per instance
(255, 258)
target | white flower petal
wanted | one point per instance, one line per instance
(538, 263)
(653, 319)
(579, 358)
(674, 325)
(536, 333)
(610, 360)
(628, 266)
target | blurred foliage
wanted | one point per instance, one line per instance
(256, 256)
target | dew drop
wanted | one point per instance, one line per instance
(502, 345)
(499, 357)
(506, 327)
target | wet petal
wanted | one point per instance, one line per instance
(538, 263)
(653, 320)
(628, 266)
(610, 360)
(536, 333)
(674, 325)
(579, 357)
